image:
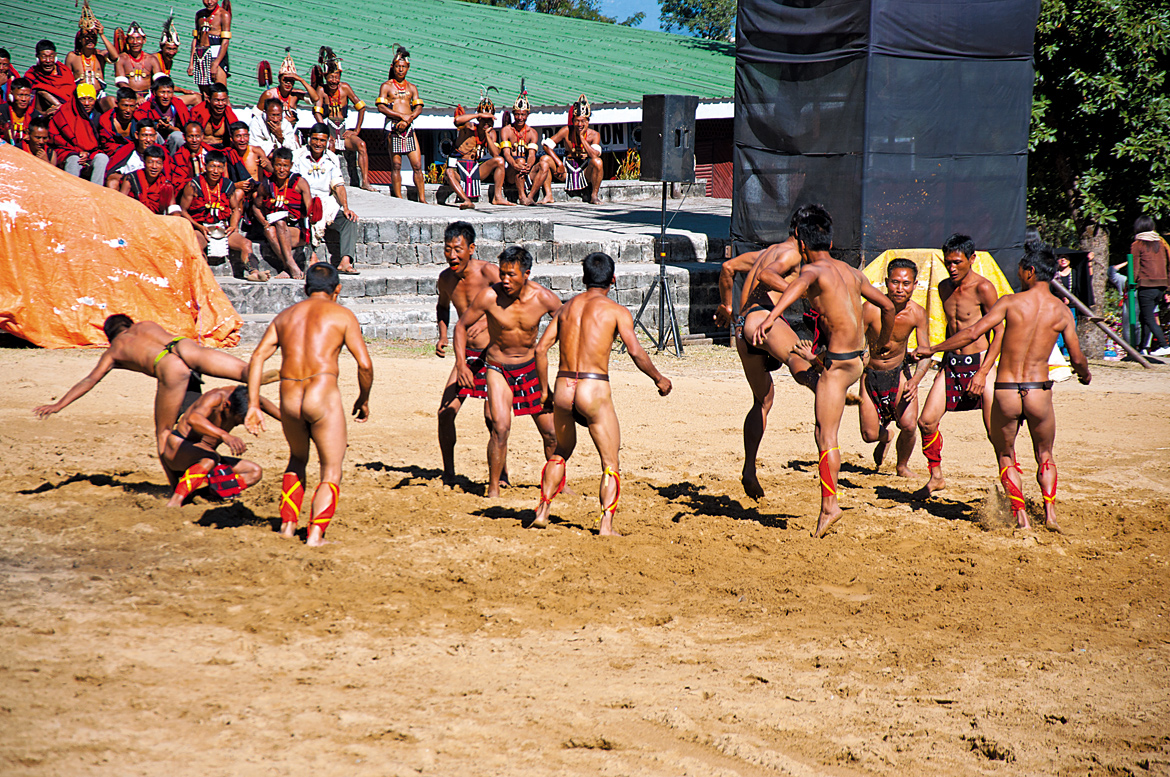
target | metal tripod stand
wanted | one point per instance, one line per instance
(665, 300)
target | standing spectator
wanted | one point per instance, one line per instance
(1152, 269)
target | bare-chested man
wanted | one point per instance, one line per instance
(1031, 321)
(399, 102)
(215, 116)
(147, 348)
(888, 390)
(518, 145)
(332, 108)
(463, 280)
(581, 168)
(963, 384)
(135, 68)
(768, 274)
(190, 452)
(835, 289)
(466, 166)
(513, 308)
(585, 327)
(284, 90)
(310, 335)
(209, 48)
(88, 62)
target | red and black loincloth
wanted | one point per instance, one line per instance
(479, 369)
(525, 384)
(959, 368)
(882, 387)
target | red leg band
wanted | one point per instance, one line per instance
(828, 486)
(292, 494)
(1013, 491)
(1050, 498)
(932, 448)
(561, 487)
(193, 479)
(322, 519)
(617, 479)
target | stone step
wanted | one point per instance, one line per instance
(610, 191)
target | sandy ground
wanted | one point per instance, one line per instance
(438, 636)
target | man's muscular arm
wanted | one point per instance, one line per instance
(475, 311)
(83, 386)
(625, 327)
(964, 337)
(742, 263)
(442, 315)
(921, 335)
(795, 291)
(199, 422)
(546, 341)
(356, 344)
(872, 295)
(988, 297)
(254, 420)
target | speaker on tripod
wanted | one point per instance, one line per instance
(668, 155)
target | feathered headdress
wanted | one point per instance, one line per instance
(288, 67)
(485, 103)
(134, 31)
(169, 34)
(580, 108)
(327, 62)
(522, 103)
(89, 22)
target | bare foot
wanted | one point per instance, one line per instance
(879, 450)
(826, 521)
(469, 205)
(316, 537)
(594, 200)
(288, 530)
(904, 472)
(936, 483)
(542, 512)
(551, 201)
(751, 485)
(368, 188)
(175, 501)
(606, 529)
(526, 201)
(1050, 520)
(281, 276)
(256, 276)
(503, 202)
(493, 492)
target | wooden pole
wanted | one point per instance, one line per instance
(1061, 291)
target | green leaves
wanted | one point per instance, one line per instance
(710, 19)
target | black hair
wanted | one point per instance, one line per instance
(320, 128)
(282, 153)
(236, 126)
(126, 93)
(145, 123)
(19, 83)
(238, 402)
(116, 324)
(959, 244)
(321, 276)
(459, 229)
(901, 264)
(1040, 259)
(190, 124)
(273, 101)
(1143, 223)
(814, 228)
(597, 270)
(216, 88)
(154, 152)
(45, 45)
(792, 223)
(160, 82)
(40, 121)
(516, 255)
(4, 53)
(215, 156)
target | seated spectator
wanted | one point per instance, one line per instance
(289, 97)
(116, 126)
(245, 161)
(190, 160)
(281, 209)
(210, 201)
(149, 184)
(17, 113)
(7, 74)
(323, 172)
(168, 114)
(51, 81)
(476, 156)
(37, 142)
(270, 130)
(581, 168)
(168, 48)
(132, 158)
(518, 147)
(74, 132)
(215, 115)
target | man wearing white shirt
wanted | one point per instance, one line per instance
(271, 130)
(322, 170)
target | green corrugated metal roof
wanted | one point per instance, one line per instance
(454, 48)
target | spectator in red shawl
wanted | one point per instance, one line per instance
(168, 114)
(38, 140)
(190, 160)
(51, 80)
(281, 208)
(16, 115)
(150, 185)
(74, 131)
(116, 126)
(7, 73)
(132, 158)
(215, 115)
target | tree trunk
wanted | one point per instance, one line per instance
(1095, 240)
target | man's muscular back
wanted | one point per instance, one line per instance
(1033, 321)
(775, 267)
(137, 347)
(310, 335)
(836, 293)
(585, 329)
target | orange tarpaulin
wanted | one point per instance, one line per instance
(72, 253)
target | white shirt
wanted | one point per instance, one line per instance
(262, 136)
(321, 174)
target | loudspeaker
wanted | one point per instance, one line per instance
(668, 137)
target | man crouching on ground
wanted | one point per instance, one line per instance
(310, 335)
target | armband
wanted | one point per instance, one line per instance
(505, 144)
(416, 103)
(359, 105)
(172, 210)
(380, 101)
(549, 143)
(532, 147)
(157, 76)
(121, 80)
(595, 147)
(225, 35)
(195, 34)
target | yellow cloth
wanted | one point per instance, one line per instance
(930, 272)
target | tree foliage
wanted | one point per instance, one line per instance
(1100, 131)
(577, 9)
(711, 19)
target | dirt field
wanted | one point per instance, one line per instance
(438, 636)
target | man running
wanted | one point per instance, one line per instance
(835, 289)
(310, 335)
(147, 348)
(463, 280)
(190, 452)
(585, 327)
(1031, 321)
(514, 308)
(888, 391)
(963, 385)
